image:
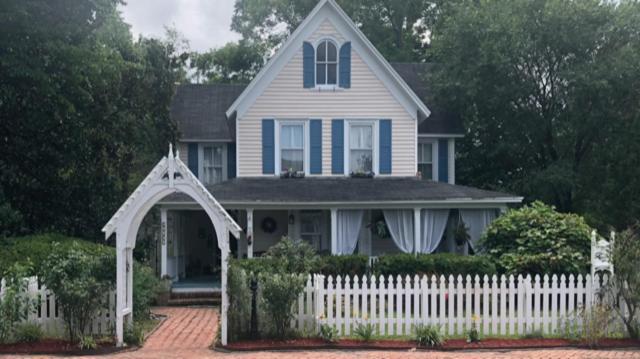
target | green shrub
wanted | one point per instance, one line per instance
(328, 333)
(279, 293)
(134, 334)
(428, 336)
(146, 287)
(86, 342)
(624, 286)
(430, 264)
(291, 256)
(28, 332)
(536, 239)
(355, 264)
(80, 282)
(364, 331)
(239, 292)
(15, 304)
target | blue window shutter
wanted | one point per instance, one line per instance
(443, 158)
(315, 141)
(268, 147)
(309, 65)
(345, 65)
(385, 146)
(337, 146)
(231, 160)
(192, 159)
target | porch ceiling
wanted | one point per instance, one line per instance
(328, 190)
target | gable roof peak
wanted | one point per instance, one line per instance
(403, 93)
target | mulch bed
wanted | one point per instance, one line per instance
(451, 344)
(57, 346)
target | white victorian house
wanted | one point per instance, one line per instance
(327, 142)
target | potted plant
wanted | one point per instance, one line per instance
(379, 228)
(164, 290)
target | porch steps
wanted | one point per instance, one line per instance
(181, 298)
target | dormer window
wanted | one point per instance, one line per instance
(326, 63)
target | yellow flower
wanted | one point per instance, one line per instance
(475, 318)
(365, 317)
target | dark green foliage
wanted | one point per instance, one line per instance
(548, 93)
(364, 331)
(279, 293)
(28, 332)
(35, 250)
(239, 292)
(232, 63)
(355, 264)
(328, 333)
(80, 282)
(428, 336)
(536, 239)
(84, 113)
(433, 264)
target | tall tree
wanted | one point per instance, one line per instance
(235, 62)
(399, 29)
(83, 110)
(550, 95)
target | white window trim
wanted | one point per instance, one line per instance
(201, 146)
(305, 144)
(434, 155)
(326, 87)
(347, 145)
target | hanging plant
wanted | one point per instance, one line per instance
(461, 234)
(379, 228)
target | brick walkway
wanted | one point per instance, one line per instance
(188, 333)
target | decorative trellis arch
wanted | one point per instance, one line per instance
(169, 176)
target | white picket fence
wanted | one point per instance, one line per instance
(49, 316)
(500, 306)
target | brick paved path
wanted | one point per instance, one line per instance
(188, 333)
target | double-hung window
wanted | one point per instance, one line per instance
(212, 164)
(291, 147)
(361, 148)
(326, 63)
(425, 160)
(311, 228)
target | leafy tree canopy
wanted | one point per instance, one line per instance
(235, 62)
(549, 94)
(84, 112)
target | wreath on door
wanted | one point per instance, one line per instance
(268, 225)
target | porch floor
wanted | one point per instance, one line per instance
(198, 284)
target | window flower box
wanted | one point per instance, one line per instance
(292, 174)
(368, 174)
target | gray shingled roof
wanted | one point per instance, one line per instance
(199, 110)
(340, 189)
(440, 121)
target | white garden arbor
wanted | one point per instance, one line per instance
(169, 176)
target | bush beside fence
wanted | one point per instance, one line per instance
(49, 318)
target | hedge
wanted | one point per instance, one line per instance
(433, 264)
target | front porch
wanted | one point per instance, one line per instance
(335, 215)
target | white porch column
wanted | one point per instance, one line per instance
(163, 242)
(250, 233)
(416, 230)
(452, 160)
(334, 231)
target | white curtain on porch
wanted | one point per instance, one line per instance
(400, 224)
(349, 224)
(476, 220)
(432, 225)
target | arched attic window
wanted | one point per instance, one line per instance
(326, 63)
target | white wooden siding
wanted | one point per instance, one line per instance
(285, 98)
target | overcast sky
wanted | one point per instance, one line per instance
(204, 23)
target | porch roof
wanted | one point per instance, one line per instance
(325, 190)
